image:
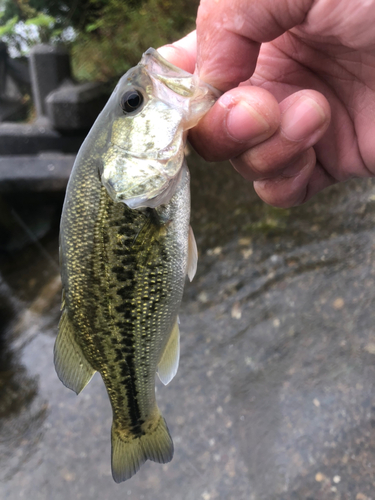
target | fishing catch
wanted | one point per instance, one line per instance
(125, 249)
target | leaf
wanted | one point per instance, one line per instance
(41, 20)
(8, 27)
(92, 27)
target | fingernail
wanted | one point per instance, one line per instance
(301, 119)
(168, 52)
(245, 123)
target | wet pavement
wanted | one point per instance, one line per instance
(275, 395)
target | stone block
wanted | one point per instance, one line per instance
(49, 67)
(12, 110)
(3, 67)
(75, 107)
(28, 139)
(13, 83)
(44, 173)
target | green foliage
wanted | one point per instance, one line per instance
(42, 21)
(46, 26)
(23, 23)
(75, 13)
(115, 39)
(8, 27)
(107, 36)
(27, 27)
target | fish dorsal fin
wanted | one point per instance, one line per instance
(168, 364)
(192, 261)
(72, 368)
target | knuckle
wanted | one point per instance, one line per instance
(260, 164)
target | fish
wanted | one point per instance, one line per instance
(126, 246)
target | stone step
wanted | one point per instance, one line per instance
(44, 173)
(31, 139)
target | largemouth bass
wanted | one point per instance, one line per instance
(125, 249)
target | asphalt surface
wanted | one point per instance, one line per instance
(275, 395)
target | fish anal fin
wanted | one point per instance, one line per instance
(192, 255)
(130, 452)
(168, 364)
(72, 368)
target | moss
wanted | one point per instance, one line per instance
(268, 219)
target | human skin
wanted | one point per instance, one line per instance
(298, 76)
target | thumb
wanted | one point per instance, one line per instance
(229, 34)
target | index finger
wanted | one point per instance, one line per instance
(229, 34)
(182, 53)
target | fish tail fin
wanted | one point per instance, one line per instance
(129, 452)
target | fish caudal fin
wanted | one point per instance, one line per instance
(72, 368)
(129, 453)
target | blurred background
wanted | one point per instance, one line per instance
(274, 397)
(105, 37)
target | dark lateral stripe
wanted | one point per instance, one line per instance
(126, 274)
(128, 372)
(126, 223)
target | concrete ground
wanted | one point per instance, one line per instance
(275, 395)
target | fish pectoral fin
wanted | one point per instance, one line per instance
(130, 452)
(168, 364)
(72, 368)
(192, 260)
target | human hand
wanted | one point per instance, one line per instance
(315, 59)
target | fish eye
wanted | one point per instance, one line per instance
(131, 101)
